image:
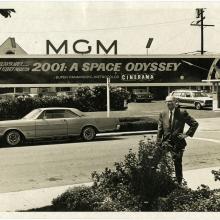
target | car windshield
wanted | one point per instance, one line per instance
(32, 114)
(199, 94)
(140, 91)
(78, 112)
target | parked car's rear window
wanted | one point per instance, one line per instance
(199, 94)
(176, 93)
(59, 113)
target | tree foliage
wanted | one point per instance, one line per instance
(6, 12)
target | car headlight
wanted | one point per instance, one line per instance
(118, 126)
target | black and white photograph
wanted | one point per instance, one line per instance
(109, 107)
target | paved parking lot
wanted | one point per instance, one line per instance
(154, 108)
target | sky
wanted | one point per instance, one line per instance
(130, 23)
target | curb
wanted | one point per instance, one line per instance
(32, 199)
(126, 133)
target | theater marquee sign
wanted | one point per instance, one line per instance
(49, 69)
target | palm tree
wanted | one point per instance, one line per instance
(6, 12)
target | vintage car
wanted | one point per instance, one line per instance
(141, 95)
(55, 123)
(192, 98)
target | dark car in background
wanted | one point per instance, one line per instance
(68, 94)
(141, 95)
(46, 93)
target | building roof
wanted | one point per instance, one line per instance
(10, 47)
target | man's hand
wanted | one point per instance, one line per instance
(182, 136)
(159, 141)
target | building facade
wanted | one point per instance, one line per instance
(158, 74)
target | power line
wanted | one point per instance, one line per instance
(100, 29)
(171, 39)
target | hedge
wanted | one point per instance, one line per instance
(137, 124)
(86, 99)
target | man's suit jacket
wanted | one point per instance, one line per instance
(180, 118)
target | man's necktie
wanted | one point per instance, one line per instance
(170, 119)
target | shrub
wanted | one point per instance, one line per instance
(85, 99)
(133, 185)
(185, 199)
(76, 199)
(117, 97)
(101, 98)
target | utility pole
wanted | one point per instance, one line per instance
(200, 23)
(108, 96)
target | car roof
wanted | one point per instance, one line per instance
(58, 108)
(185, 90)
(11, 93)
(75, 110)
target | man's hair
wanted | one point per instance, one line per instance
(170, 99)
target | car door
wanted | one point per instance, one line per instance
(188, 99)
(74, 123)
(51, 123)
(182, 98)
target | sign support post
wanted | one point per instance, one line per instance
(149, 42)
(108, 97)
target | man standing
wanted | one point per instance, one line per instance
(170, 128)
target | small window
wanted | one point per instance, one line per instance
(188, 94)
(70, 114)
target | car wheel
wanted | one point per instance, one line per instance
(198, 106)
(88, 133)
(13, 138)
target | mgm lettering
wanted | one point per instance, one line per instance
(82, 42)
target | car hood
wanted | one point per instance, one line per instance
(13, 122)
